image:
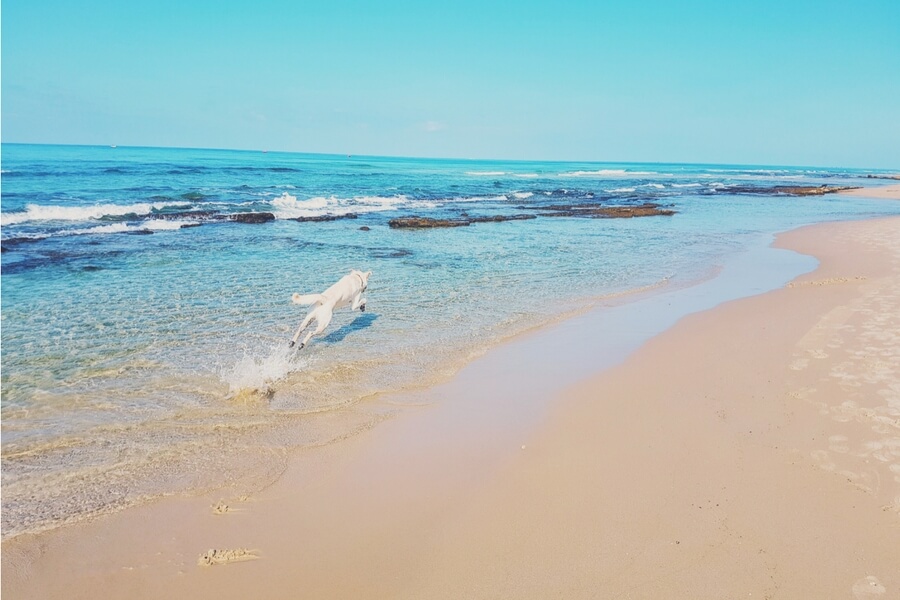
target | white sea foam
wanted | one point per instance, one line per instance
(499, 198)
(111, 228)
(527, 175)
(290, 205)
(523, 195)
(625, 190)
(657, 186)
(161, 225)
(287, 206)
(148, 225)
(486, 173)
(686, 185)
(36, 212)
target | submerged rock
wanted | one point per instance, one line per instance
(789, 190)
(323, 218)
(464, 221)
(498, 218)
(593, 211)
(425, 223)
(183, 214)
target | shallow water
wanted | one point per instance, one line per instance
(144, 335)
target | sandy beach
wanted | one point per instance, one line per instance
(752, 450)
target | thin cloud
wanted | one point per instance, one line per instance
(432, 126)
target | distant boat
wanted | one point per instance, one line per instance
(112, 146)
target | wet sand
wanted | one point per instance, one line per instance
(752, 450)
(885, 192)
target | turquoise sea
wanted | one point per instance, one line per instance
(145, 326)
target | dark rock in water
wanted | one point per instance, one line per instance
(499, 218)
(788, 190)
(593, 211)
(390, 252)
(189, 225)
(185, 214)
(138, 232)
(13, 242)
(323, 218)
(364, 228)
(91, 268)
(895, 177)
(428, 222)
(256, 217)
(425, 223)
(194, 196)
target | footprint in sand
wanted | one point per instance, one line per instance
(220, 557)
(222, 508)
(868, 588)
(838, 443)
(799, 364)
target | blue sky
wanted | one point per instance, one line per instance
(765, 82)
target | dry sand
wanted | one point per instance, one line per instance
(751, 451)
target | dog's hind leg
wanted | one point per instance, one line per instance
(322, 322)
(303, 325)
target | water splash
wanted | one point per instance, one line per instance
(260, 374)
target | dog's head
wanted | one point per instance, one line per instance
(363, 276)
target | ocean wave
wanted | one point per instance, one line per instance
(686, 185)
(36, 212)
(527, 175)
(625, 190)
(486, 173)
(500, 198)
(523, 195)
(149, 225)
(656, 186)
(287, 206)
(608, 173)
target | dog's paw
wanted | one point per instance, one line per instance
(362, 307)
(291, 344)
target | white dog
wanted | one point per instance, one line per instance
(347, 291)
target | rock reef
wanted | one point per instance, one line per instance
(254, 217)
(416, 222)
(324, 218)
(789, 190)
(593, 211)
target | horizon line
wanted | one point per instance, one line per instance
(448, 158)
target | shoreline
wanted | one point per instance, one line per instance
(372, 493)
(890, 191)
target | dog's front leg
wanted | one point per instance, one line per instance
(359, 303)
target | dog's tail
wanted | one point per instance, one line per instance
(307, 298)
